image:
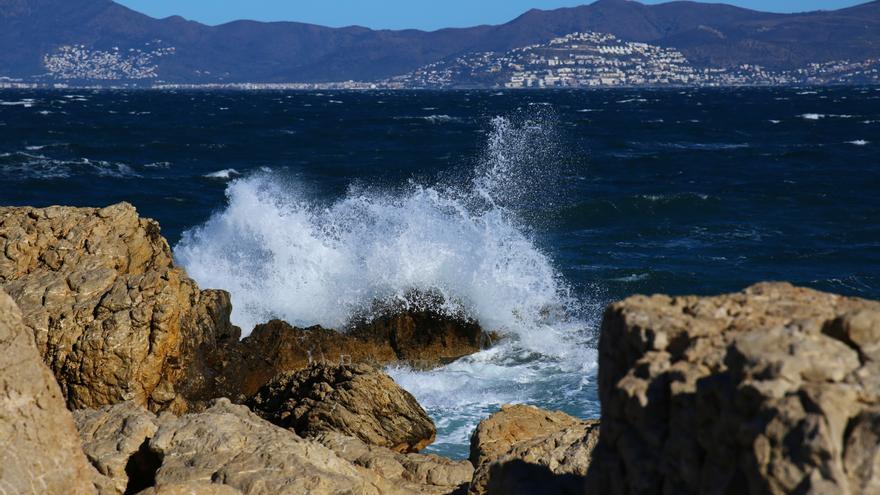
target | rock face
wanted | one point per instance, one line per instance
(112, 316)
(355, 400)
(771, 390)
(524, 449)
(39, 448)
(419, 338)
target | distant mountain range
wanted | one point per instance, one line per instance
(101, 41)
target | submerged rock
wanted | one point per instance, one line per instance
(355, 400)
(523, 449)
(39, 448)
(771, 390)
(111, 315)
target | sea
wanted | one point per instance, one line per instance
(528, 211)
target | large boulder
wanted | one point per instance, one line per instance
(525, 449)
(771, 390)
(355, 400)
(416, 337)
(39, 448)
(111, 315)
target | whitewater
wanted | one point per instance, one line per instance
(283, 253)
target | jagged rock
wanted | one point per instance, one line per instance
(229, 445)
(355, 400)
(111, 315)
(114, 439)
(420, 473)
(419, 338)
(524, 449)
(39, 448)
(771, 390)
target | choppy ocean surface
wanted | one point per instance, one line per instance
(527, 210)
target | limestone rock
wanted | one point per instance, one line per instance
(771, 390)
(115, 441)
(39, 448)
(112, 316)
(193, 488)
(355, 400)
(419, 338)
(229, 445)
(524, 449)
(419, 473)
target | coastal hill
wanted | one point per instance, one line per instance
(99, 41)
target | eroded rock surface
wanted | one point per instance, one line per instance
(115, 439)
(39, 448)
(355, 400)
(524, 449)
(771, 390)
(112, 316)
(227, 444)
(419, 473)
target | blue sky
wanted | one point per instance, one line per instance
(398, 14)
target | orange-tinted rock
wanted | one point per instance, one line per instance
(112, 316)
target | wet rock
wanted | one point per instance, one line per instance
(524, 449)
(419, 338)
(111, 315)
(39, 447)
(771, 390)
(419, 473)
(355, 400)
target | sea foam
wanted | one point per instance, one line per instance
(282, 253)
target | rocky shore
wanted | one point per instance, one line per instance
(119, 375)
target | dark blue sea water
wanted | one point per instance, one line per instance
(527, 210)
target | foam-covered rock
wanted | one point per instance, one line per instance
(110, 313)
(39, 448)
(770, 390)
(355, 400)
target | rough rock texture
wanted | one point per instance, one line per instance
(112, 316)
(771, 390)
(419, 473)
(524, 449)
(355, 400)
(39, 448)
(114, 439)
(192, 488)
(227, 449)
(418, 338)
(227, 444)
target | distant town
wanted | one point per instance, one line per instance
(577, 60)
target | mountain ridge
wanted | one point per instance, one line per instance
(710, 35)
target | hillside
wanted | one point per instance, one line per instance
(108, 42)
